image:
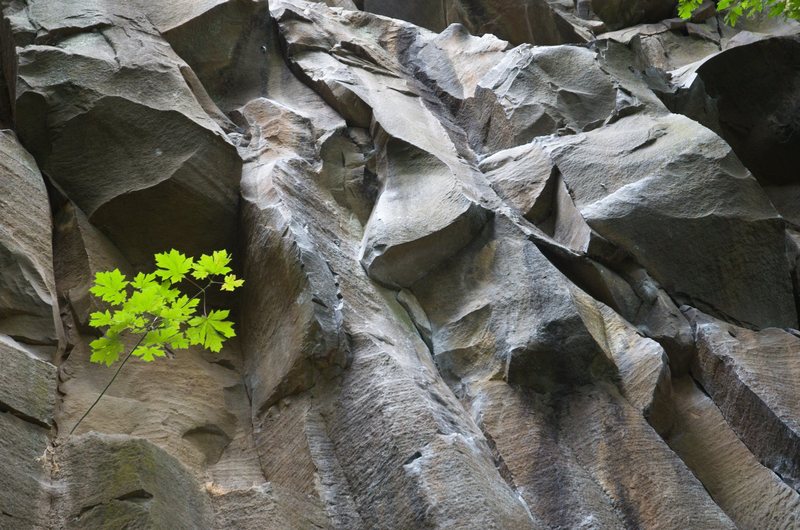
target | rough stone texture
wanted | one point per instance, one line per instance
(81, 251)
(28, 306)
(752, 376)
(536, 91)
(673, 45)
(621, 13)
(523, 177)
(752, 495)
(463, 264)
(111, 114)
(221, 40)
(456, 61)
(31, 333)
(201, 418)
(793, 254)
(667, 45)
(642, 364)
(786, 200)
(265, 506)
(672, 181)
(27, 384)
(589, 460)
(297, 275)
(123, 482)
(483, 328)
(24, 497)
(387, 423)
(748, 95)
(535, 21)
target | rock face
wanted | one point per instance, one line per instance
(519, 21)
(670, 181)
(546, 278)
(751, 494)
(538, 91)
(621, 13)
(116, 119)
(750, 375)
(28, 308)
(755, 113)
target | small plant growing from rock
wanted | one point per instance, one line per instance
(155, 307)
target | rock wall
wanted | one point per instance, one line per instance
(489, 283)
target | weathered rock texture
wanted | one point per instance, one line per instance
(489, 283)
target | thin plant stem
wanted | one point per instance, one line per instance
(150, 328)
(109, 383)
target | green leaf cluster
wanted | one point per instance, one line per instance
(735, 9)
(155, 307)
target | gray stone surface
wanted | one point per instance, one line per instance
(752, 378)
(24, 495)
(351, 436)
(27, 384)
(748, 95)
(463, 265)
(751, 494)
(265, 506)
(80, 252)
(298, 277)
(535, 21)
(122, 482)
(564, 453)
(524, 177)
(537, 91)
(674, 195)
(484, 327)
(622, 13)
(28, 306)
(106, 108)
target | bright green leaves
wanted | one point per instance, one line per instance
(745, 8)
(210, 331)
(180, 309)
(148, 353)
(231, 282)
(106, 349)
(686, 7)
(173, 266)
(153, 306)
(142, 280)
(214, 265)
(100, 319)
(110, 287)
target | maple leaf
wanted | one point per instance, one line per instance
(167, 292)
(142, 280)
(161, 312)
(179, 341)
(106, 349)
(172, 334)
(99, 319)
(145, 301)
(148, 353)
(180, 309)
(685, 10)
(213, 265)
(157, 310)
(110, 286)
(231, 282)
(209, 331)
(173, 266)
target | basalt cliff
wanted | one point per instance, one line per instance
(510, 264)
